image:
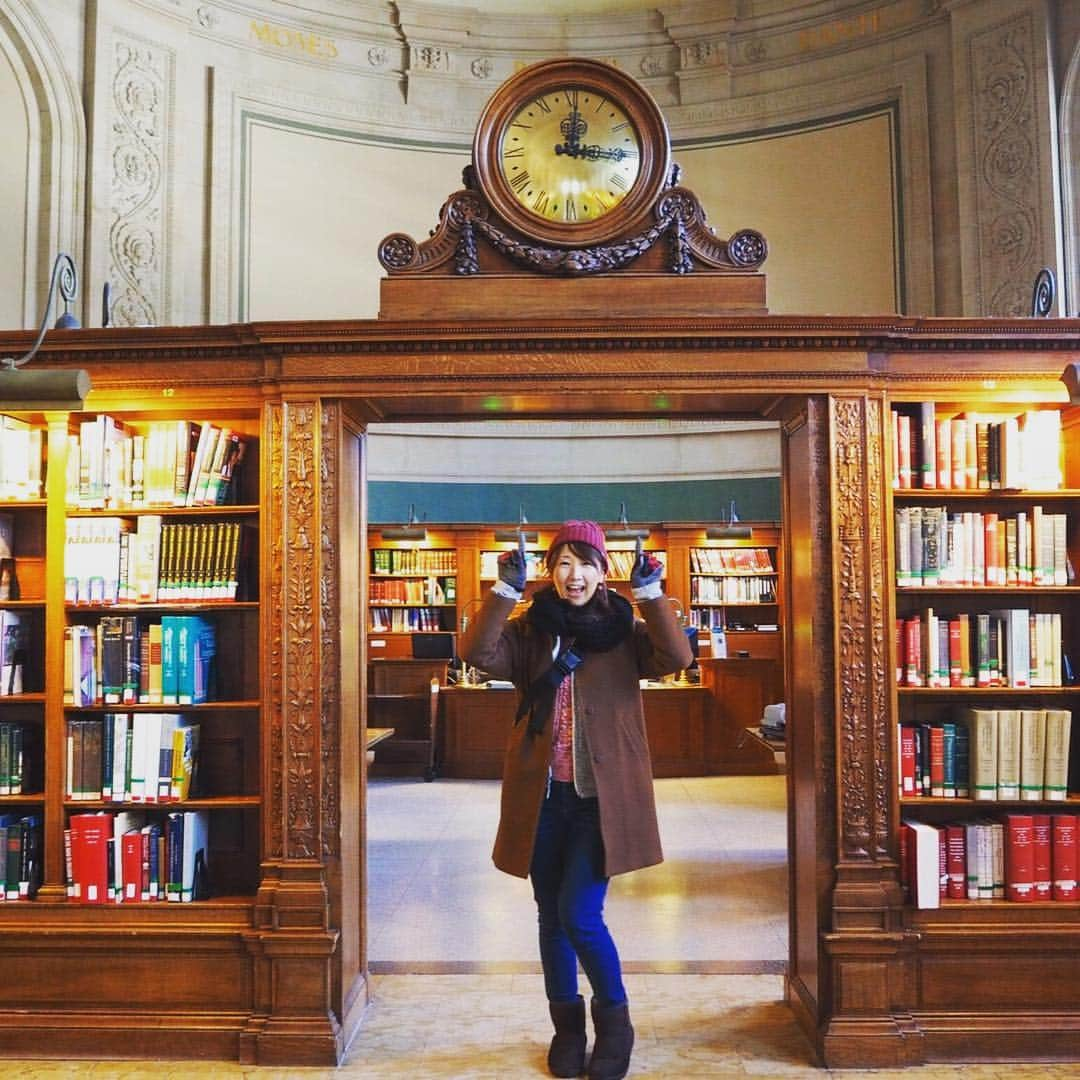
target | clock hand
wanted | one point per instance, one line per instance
(572, 128)
(592, 153)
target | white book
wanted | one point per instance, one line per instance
(12, 648)
(925, 864)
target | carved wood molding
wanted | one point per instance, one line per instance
(466, 216)
(862, 745)
(273, 590)
(302, 765)
(329, 634)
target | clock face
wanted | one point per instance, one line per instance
(570, 154)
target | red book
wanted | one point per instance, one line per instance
(990, 549)
(943, 865)
(90, 834)
(1040, 834)
(937, 762)
(131, 864)
(913, 651)
(1019, 858)
(1063, 856)
(956, 658)
(907, 761)
(955, 862)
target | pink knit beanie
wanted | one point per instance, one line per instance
(580, 532)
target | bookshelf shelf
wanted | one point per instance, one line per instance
(985, 691)
(963, 495)
(223, 510)
(157, 707)
(230, 802)
(985, 590)
(187, 606)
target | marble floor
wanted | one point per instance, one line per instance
(456, 989)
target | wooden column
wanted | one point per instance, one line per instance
(293, 943)
(865, 944)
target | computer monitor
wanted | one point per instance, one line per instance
(433, 646)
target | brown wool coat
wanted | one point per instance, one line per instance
(607, 705)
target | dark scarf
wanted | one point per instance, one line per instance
(595, 627)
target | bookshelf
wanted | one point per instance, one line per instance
(984, 512)
(22, 672)
(412, 588)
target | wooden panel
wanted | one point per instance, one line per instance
(675, 722)
(475, 728)
(406, 676)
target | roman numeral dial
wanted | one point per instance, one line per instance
(569, 155)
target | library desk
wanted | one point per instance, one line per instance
(476, 720)
(375, 735)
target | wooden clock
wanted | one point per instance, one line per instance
(571, 152)
(572, 177)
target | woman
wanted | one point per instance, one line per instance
(577, 794)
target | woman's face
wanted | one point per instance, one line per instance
(575, 580)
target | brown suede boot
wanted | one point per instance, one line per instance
(614, 1041)
(566, 1057)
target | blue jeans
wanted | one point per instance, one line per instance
(569, 887)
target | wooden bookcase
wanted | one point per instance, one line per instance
(278, 975)
(973, 540)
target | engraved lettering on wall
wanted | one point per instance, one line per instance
(138, 195)
(1006, 167)
(286, 38)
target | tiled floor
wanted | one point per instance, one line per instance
(718, 900)
(456, 989)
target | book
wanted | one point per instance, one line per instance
(1032, 753)
(1019, 858)
(924, 863)
(185, 759)
(89, 856)
(983, 730)
(1008, 754)
(1056, 754)
(1063, 856)
(196, 832)
(12, 652)
(1041, 843)
(956, 861)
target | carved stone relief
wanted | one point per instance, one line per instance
(141, 112)
(1005, 139)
